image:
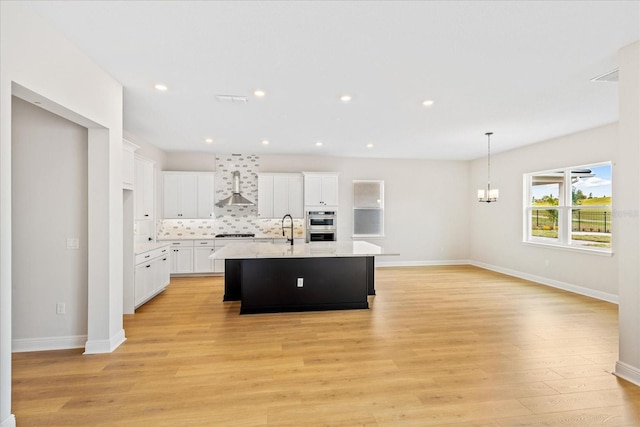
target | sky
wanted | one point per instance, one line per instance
(598, 185)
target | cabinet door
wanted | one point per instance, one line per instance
(182, 260)
(312, 190)
(171, 202)
(188, 195)
(163, 272)
(201, 261)
(280, 195)
(139, 282)
(143, 188)
(265, 196)
(330, 190)
(205, 195)
(128, 168)
(296, 192)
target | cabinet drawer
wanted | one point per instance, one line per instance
(181, 243)
(202, 243)
(149, 255)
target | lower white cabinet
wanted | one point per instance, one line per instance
(192, 256)
(202, 249)
(151, 274)
(181, 256)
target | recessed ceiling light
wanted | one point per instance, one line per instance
(345, 98)
(265, 142)
(427, 103)
(259, 93)
(319, 144)
(369, 145)
(161, 87)
(208, 140)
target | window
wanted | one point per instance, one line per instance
(368, 208)
(569, 207)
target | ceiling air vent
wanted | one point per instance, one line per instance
(610, 76)
(232, 99)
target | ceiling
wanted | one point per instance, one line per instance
(519, 69)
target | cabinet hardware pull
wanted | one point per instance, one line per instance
(148, 265)
(147, 256)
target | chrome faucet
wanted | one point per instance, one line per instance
(283, 233)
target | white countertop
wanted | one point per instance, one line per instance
(299, 250)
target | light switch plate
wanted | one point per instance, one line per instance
(300, 280)
(73, 243)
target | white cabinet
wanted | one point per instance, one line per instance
(202, 249)
(280, 194)
(128, 162)
(181, 256)
(144, 188)
(205, 195)
(265, 196)
(188, 194)
(151, 274)
(320, 189)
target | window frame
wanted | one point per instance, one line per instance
(565, 209)
(355, 208)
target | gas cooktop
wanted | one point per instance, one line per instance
(235, 235)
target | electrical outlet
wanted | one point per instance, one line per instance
(73, 243)
(60, 308)
(300, 280)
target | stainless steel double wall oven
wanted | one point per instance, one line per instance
(322, 226)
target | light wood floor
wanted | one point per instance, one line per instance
(439, 346)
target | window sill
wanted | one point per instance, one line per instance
(584, 250)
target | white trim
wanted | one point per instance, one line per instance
(550, 282)
(627, 372)
(20, 345)
(572, 248)
(10, 421)
(105, 346)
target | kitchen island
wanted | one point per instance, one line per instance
(275, 277)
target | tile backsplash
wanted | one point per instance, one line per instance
(236, 219)
(186, 229)
(230, 219)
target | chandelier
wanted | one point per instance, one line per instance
(489, 195)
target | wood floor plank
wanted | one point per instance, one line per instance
(442, 345)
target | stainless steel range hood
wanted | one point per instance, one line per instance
(236, 199)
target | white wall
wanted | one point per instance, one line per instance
(49, 205)
(36, 61)
(426, 208)
(496, 228)
(627, 205)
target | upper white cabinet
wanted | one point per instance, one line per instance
(188, 194)
(144, 188)
(128, 169)
(320, 189)
(280, 194)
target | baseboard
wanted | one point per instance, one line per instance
(628, 372)
(419, 263)
(549, 282)
(20, 345)
(104, 346)
(10, 421)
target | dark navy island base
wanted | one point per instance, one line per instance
(269, 285)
